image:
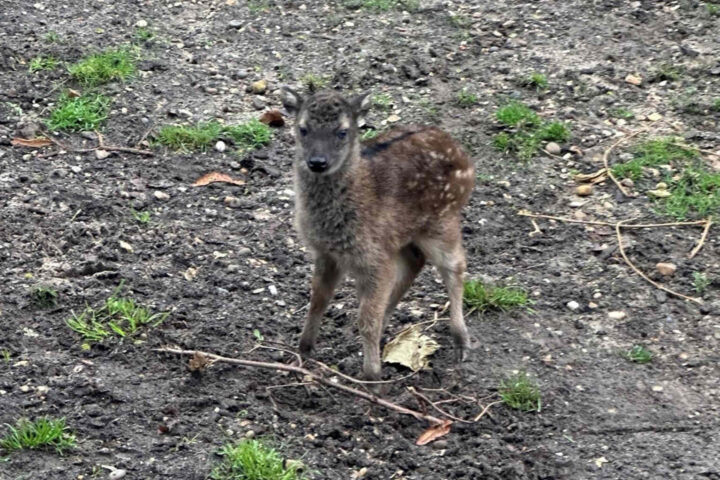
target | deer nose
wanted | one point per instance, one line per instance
(317, 163)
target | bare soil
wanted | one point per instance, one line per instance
(62, 219)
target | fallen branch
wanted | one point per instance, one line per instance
(100, 146)
(435, 407)
(524, 213)
(312, 376)
(702, 238)
(636, 270)
(606, 154)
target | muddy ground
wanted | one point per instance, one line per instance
(62, 219)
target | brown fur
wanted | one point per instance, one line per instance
(386, 207)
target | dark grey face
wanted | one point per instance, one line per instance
(326, 128)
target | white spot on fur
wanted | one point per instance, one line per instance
(344, 122)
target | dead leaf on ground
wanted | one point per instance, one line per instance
(590, 177)
(434, 432)
(410, 348)
(198, 362)
(38, 142)
(273, 118)
(190, 274)
(213, 177)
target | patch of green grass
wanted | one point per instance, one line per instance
(251, 460)
(667, 71)
(520, 392)
(661, 151)
(140, 217)
(314, 82)
(75, 114)
(481, 297)
(537, 80)
(369, 134)
(712, 9)
(189, 137)
(43, 63)
(253, 134)
(460, 20)
(44, 297)
(43, 432)
(623, 113)
(143, 34)
(526, 131)
(701, 282)
(51, 37)
(104, 67)
(383, 5)
(120, 316)
(382, 101)
(466, 99)
(257, 6)
(5, 355)
(715, 105)
(250, 135)
(431, 111)
(695, 193)
(639, 354)
(516, 114)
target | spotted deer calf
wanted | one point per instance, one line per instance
(376, 210)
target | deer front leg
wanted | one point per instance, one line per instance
(374, 292)
(326, 274)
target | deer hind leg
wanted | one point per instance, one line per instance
(409, 262)
(374, 290)
(325, 277)
(448, 256)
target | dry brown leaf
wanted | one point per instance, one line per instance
(273, 118)
(198, 362)
(38, 142)
(213, 177)
(434, 432)
(590, 177)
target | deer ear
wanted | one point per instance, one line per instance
(292, 101)
(360, 104)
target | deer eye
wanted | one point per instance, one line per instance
(341, 134)
(303, 131)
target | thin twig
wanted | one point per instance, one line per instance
(435, 407)
(702, 238)
(607, 224)
(485, 410)
(312, 376)
(636, 270)
(606, 154)
(100, 146)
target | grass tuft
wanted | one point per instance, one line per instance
(527, 131)
(143, 34)
(466, 99)
(382, 101)
(481, 297)
(314, 82)
(520, 392)
(712, 9)
(247, 136)
(251, 460)
(119, 316)
(369, 134)
(43, 63)
(716, 105)
(141, 217)
(383, 5)
(104, 67)
(75, 114)
(623, 113)
(639, 354)
(44, 297)
(537, 80)
(701, 282)
(694, 190)
(43, 432)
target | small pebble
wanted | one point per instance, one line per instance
(553, 148)
(573, 305)
(161, 195)
(617, 315)
(220, 146)
(584, 190)
(117, 474)
(665, 268)
(273, 290)
(259, 87)
(141, 23)
(101, 154)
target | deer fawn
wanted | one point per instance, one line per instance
(376, 210)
